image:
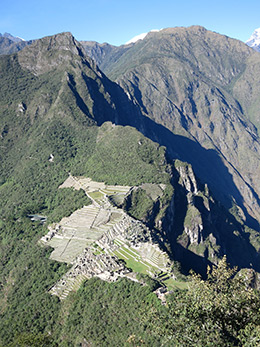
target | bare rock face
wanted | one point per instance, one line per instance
(21, 109)
(199, 230)
(193, 223)
(51, 52)
(194, 233)
(188, 178)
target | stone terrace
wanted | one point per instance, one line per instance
(94, 239)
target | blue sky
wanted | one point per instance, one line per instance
(117, 21)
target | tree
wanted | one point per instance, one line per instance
(220, 311)
(32, 340)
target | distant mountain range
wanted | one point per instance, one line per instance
(10, 44)
(149, 76)
(11, 37)
(15, 43)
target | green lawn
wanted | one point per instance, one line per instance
(173, 284)
(136, 266)
(97, 195)
(130, 251)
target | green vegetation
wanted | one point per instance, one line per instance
(220, 311)
(26, 274)
(97, 250)
(106, 314)
(152, 283)
(48, 130)
(96, 195)
(65, 201)
(174, 284)
(192, 215)
(138, 204)
(32, 340)
(131, 263)
(121, 156)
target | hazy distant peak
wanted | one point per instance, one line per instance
(12, 38)
(254, 40)
(140, 36)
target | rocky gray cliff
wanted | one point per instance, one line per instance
(200, 230)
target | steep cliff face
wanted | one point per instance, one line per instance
(191, 225)
(189, 83)
(200, 231)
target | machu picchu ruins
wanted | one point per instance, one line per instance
(102, 240)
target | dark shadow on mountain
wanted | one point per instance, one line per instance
(191, 261)
(229, 234)
(221, 235)
(207, 163)
(79, 101)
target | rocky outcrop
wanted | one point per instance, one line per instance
(199, 230)
(193, 223)
(50, 52)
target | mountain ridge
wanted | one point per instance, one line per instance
(230, 54)
(11, 37)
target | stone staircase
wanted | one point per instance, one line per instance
(72, 284)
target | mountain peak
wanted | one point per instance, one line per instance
(254, 40)
(61, 41)
(140, 36)
(15, 39)
(50, 52)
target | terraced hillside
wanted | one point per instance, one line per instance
(102, 240)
